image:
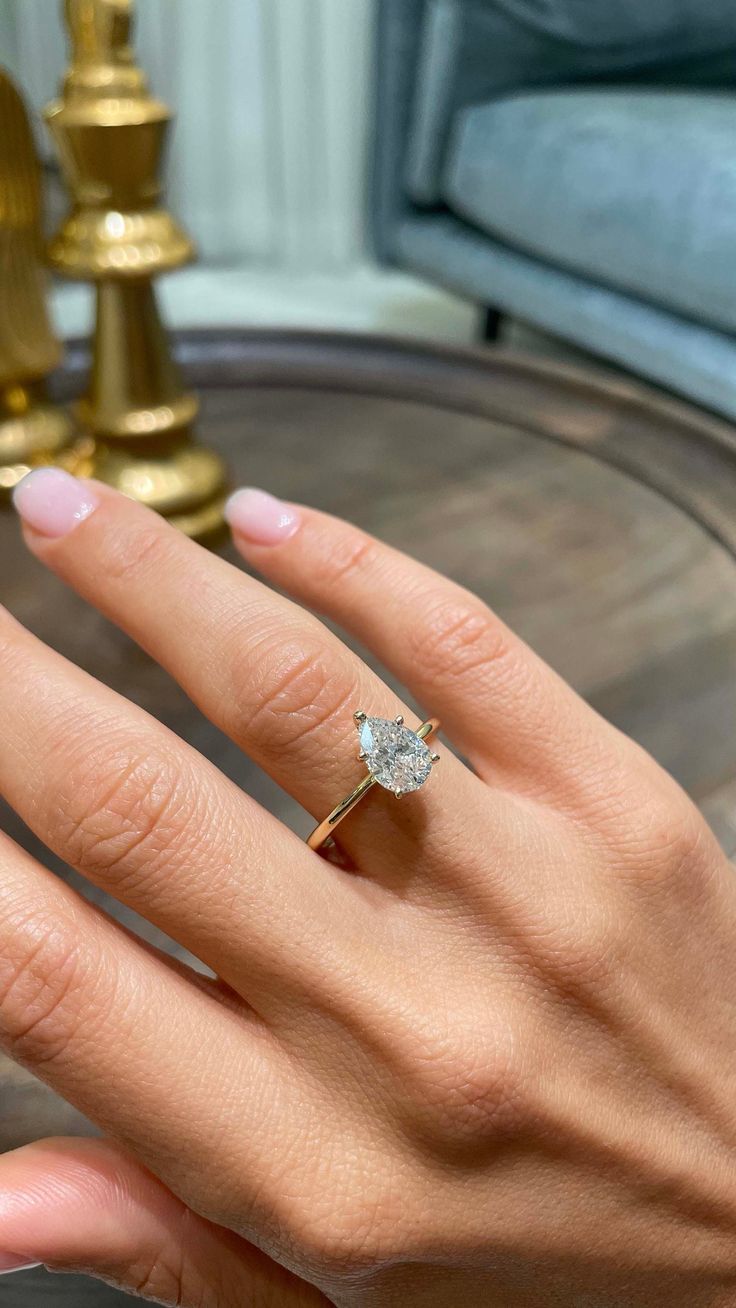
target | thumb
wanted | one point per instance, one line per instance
(87, 1206)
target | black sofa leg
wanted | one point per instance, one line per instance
(491, 324)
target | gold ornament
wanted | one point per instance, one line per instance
(110, 133)
(32, 430)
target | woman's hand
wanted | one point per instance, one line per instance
(490, 1059)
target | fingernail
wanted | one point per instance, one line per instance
(14, 1263)
(53, 502)
(260, 517)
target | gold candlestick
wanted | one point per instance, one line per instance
(32, 430)
(110, 133)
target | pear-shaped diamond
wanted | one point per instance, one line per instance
(396, 756)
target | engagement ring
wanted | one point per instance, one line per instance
(397, 758)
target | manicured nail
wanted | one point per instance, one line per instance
(14, 1263)
(260, 517)
(52, 502)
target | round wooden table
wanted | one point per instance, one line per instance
(597, 517)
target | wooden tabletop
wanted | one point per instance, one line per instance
(597, 517)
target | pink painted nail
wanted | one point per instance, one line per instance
(14, 1263)
(260, 517)
(52, 502)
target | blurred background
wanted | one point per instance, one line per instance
(465, 276)
(268, 164)
(405, 165)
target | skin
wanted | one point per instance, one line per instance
(485, 1058)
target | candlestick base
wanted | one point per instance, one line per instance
(33, 432)
(181, 480)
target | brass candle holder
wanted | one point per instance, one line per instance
(110, 133)
(32, 430)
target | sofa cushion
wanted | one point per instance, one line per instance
(680, 355)
(633, 189)
(473, 49)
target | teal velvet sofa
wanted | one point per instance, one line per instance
(571, 163)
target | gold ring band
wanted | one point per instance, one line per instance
(382, 737)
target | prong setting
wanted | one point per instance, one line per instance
(396, 757)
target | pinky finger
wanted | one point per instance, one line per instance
(87, 1206)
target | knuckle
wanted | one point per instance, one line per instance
(41, 971)
(132, 553)
(298, 688)
(120, 810)
(460, 637)
(586, 965)
(581, 954)
(466, 1081)
(668, 843)
(677, 835)
(355, 555)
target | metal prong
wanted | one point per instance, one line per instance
(399, 794)
(399, 720)
(361, 756)
(360, 716)
(435, 758)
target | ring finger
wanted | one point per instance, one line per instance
(261, 668)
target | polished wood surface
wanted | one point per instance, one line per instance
(597, 517)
